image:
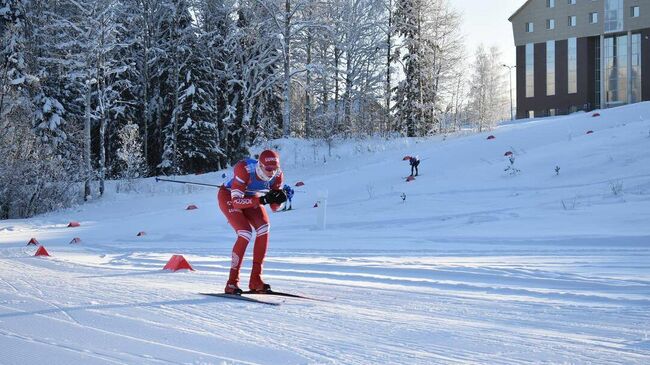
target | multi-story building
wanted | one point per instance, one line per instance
(581, 55)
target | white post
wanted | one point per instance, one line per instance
(321, 216)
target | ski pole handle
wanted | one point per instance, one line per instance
(188, 183)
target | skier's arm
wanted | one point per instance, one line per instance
(278, 182)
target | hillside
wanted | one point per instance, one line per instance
(468, 264)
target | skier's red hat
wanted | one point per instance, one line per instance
(270, 160)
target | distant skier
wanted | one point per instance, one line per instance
(414, 161)
(288, 190)
(225, 178)
(241, 202)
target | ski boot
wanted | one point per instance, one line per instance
(233, 289)
(256, 285)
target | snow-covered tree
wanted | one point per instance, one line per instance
(14, 74)
(364, 66)
(48, 119)
(216, 23)
(488, 89)
(198, 137)
(33, 180)
(286, 24)
(429, 54)
(129, 155)
(108, 71)
(177, 39)
(204, 80)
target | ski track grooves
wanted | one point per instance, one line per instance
(124, 336)
(451, 305)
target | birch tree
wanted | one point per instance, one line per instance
(488, 91)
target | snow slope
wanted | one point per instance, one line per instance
(475, 266)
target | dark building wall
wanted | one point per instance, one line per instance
(585, 74)
(522, 107)
(561, 68)
(562, 101)
(645, 63)
(592, 48)
(537, 102)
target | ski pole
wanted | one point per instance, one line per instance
(188, 183)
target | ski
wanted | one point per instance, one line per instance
(281, 294)
(239, 297)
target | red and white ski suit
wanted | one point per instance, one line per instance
(239, 201)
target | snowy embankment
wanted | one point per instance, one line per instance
(466, 264)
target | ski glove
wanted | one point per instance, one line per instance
(274, 197)
(280, 196)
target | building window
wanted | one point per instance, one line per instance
(572, 58)
(550, 23)
(550, 3)
(531, 114)
(615, 70)
(636, 68)
(635, 12)
(573, 20)
(571, 2)
(530, 27)
(530, 70)
(552, 112)
(593, 18)
(613, 15)
(597, 76)
(550, 68)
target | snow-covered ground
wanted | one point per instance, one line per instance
(475, 266)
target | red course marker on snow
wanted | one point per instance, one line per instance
(41, 251)
(73, 224)
(33, 241)
(491, 137)
(300, 183)
(191, 207)
(178, 262)
(141, 233)
(590, 132)
(410, 178)
(509, 153)
(595, 115)
(76, 240)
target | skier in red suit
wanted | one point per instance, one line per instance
(242, 199)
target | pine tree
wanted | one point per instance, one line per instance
(408, 26)
(177, 34)
(198, 139)
(66, 57)
(217, 24)
(14, 77)
(34, 175)
(109, 70)
(429, 54)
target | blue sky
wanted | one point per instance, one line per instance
(486, 22)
